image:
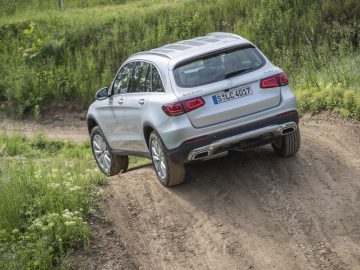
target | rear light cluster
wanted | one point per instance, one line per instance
(182, 107)
(274, 81)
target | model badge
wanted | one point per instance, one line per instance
(230, 82)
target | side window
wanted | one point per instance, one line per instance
(140, 78)
(122, 79)
(156, 83)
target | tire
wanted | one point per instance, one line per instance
(113, 163)
(174, 173)
(287, 145)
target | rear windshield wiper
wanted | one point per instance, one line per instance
(236, 72)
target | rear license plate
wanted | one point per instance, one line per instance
(231, 94)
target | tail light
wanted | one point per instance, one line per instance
(274, 81)
(283, 79)
(182, 107)
(173, 109)
(194, 103)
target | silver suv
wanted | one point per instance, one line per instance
(192, 100)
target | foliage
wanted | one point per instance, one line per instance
(335, 98)
(49, 55)
(46, 193)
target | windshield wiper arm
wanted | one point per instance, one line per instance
(236, 72)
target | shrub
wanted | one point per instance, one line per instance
(46, 55)
(46, 194)
(357, 107)
(318, 101)
(303, 100)
(334, 98)
(349, 100)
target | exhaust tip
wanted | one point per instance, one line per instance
(201, 155)
(287, 130)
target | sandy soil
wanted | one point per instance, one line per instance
(61, 122)
(249, 210)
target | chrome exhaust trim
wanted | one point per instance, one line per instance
(200, 155)
(221, 154)
(287, 130)
(276, 130)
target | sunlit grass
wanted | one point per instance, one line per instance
(77, 14)
(47, 55)
(47, 191)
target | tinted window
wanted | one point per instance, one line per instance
(140, 78)
(122, 79)
(218, 66)
(157, 85)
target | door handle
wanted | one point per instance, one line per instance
(121, 101)
(141, 101)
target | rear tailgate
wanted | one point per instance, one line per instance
(233, 98)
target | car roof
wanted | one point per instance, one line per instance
(185, 49)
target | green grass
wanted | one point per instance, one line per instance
(46, 55)
(47, 192)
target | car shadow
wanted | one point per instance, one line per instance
(250, 174)
(139, 167)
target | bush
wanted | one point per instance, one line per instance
(318, 102)
(349, 100)
(357, 107)
(332, 98)
(47, 191)
(46, 55)
(46, 194)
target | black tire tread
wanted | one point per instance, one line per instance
(290, 144)
(176, 171)
(118, 163)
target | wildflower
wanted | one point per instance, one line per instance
(54, 172)
(53, 215)
(69, 223)
(67, 184)
(53, 185)
(37, 224)
(37, 174)
(69, 164)
(74, 188)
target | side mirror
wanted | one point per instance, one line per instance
(103, 93)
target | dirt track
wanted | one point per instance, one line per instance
(250, 210)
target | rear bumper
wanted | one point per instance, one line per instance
(252, 134)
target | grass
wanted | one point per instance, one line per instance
(47, 192)
(46, 55)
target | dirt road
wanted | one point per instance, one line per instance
(250, 210)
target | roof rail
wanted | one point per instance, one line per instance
(224, 34)
(152, 52)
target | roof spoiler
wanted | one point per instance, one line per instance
(224, 34)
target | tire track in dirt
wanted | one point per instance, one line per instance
(250, 210)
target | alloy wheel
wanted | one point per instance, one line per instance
(159, 159)
(101, 153)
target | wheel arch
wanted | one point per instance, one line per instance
(91, 123)
(147, 129)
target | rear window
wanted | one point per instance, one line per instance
(218, 66)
